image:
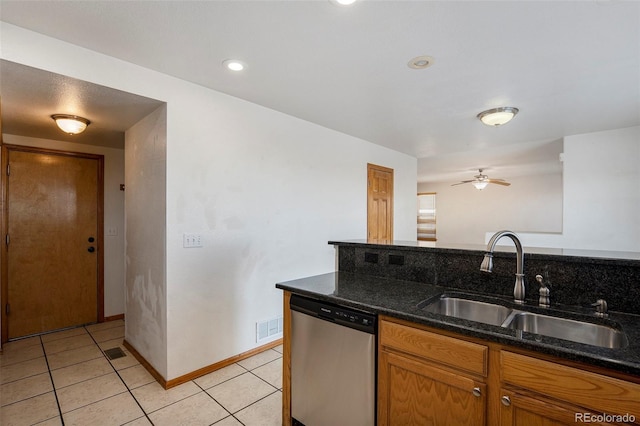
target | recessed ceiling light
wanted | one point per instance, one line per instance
(420, 62)
(498, 116)
(233, 65)
(343, 2)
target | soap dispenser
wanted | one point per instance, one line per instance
(545, 292)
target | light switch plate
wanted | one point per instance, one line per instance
(191, 240)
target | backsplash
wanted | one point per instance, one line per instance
(574, 280)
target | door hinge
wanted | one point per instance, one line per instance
(7, 309)
(6, 240)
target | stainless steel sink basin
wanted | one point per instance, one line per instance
(567, 329)
(600, 335)
(472, 310)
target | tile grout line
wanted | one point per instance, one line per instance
(244, 370)
(251, 371)
(120, 377)
(217, 402)
(254, 374)
(55, 393)
(254, 402)
(22, 378)
(82, 381)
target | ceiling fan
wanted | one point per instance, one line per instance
(481, 181)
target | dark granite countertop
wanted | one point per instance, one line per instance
(400, 299)
(578, 255)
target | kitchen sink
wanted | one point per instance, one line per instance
(472, 310)
(600, 335)
(567, 329)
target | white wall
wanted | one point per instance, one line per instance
(145, 202)
(594, 205)
(602, 190)
(464, 214)
(113, 213)
(266, 191)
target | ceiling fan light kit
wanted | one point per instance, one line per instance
(481, 181)
(480, 184)
(498, 116)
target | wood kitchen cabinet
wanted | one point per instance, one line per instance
(540, 392)
(520, 408)
(429, 377)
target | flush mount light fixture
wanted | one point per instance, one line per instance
(420, 62)
(343, 2)
(498, 116)
(234, 65)
(71, 124)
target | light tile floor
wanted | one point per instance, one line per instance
(64, 378)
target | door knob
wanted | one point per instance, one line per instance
(91, 249)
(476, 392)
(506, 401)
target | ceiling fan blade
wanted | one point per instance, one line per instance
(460, 183)
(498, 182)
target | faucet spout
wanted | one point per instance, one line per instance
(487, 262)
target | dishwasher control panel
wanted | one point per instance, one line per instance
(351, 316)
(342, 315)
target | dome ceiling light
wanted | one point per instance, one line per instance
(71, 124)
(497, 116)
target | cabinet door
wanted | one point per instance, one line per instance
(416, 393)
(599, 393)
(531, 410)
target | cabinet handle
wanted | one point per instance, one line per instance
(476, 392)
(506, 401)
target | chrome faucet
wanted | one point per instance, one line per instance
(487, 262)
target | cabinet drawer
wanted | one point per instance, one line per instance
(583, 388)
(460, 354)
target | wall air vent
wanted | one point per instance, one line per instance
(269, 329)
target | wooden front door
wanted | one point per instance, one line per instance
(379, 203)
(53, 249)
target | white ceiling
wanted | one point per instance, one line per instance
(30, 96)
(571, 67)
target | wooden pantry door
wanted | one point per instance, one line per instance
(379, 203)
(54, 256)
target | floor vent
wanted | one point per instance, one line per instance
(269, 329)
(114, 353)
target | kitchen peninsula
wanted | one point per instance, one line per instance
(490, 373)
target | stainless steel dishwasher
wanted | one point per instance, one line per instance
(333, 364)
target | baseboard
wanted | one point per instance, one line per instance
(145, 364)
(114, 318)
(168, 384)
